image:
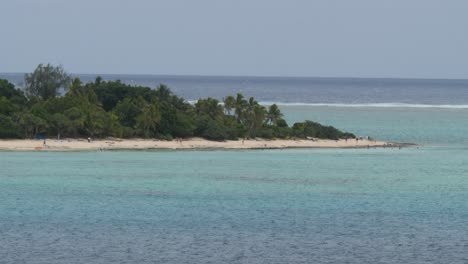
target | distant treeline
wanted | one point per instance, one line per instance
(114, 109)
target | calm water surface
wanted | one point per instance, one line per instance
(275, 206)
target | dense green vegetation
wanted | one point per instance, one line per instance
(114, 109)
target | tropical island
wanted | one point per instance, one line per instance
(57, 112)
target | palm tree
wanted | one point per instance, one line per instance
(274, 114)
(252, 101)
(259, 116)
(229, 104)
(254, 116)
(209, 107)
(149, 119)
(163, 92)
(76, 88)
(240, 107)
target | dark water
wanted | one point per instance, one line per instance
(303, 90)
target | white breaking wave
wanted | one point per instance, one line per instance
(376, 105)
(380, 105)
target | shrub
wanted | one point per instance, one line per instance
(8, 128)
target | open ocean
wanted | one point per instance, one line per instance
(257, 206)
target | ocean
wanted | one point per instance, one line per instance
(257, 206)
(355, 92)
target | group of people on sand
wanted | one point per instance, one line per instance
(368, 138)
(178, 140)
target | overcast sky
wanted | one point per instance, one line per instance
(358, 38)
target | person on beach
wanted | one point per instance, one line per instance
(44, 143)
(89, 140)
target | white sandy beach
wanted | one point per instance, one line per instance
(193, 143)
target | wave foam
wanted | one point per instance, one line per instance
(380, 105)
(376, 105)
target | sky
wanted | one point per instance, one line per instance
(325, 38)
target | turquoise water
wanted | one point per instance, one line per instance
(424, 126)
(254, 206)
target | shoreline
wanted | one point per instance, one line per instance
(187, 144)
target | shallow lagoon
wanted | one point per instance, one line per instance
(259, 206)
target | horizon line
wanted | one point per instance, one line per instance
(257, 76)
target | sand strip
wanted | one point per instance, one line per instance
(193, 143)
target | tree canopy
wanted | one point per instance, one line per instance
(115, 109)
(46, 80)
